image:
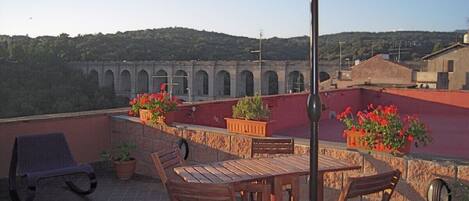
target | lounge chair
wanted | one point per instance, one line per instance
(36, 157)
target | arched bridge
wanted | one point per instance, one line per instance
(199, 80)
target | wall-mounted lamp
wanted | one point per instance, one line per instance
(438, 190)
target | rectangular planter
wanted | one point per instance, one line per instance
(355, 141)
(248, 127)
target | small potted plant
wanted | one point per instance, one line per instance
(123, 163)
(154, 108)
(381, 129)
(250, 117)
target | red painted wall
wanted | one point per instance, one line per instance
(287, 111)
(446, 113)
(87, 135)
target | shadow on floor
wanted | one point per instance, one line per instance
(139, 188)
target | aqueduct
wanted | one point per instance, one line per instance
(199, 80)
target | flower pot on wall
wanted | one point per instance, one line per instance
(248, 127)
(145, 115)
(125, 169)
(355, 141)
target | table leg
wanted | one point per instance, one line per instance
(320, 186)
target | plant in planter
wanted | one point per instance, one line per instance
(154, 108)
(381, 129)
(250, 117)
(122, 161)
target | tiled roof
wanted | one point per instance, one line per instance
(444, 50)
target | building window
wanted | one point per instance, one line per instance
(450, 66)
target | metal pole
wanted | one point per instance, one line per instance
(314, 103)
(340, 55)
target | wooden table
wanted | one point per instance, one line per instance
(245, 170)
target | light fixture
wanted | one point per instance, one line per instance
(438, 190)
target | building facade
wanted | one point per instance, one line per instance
(446, 69)
(199, 80)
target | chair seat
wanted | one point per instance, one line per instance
(33, 177)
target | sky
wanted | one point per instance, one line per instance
(279, 18)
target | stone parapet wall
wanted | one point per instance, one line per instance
(204, 145)
(417, 172)
(208, 144)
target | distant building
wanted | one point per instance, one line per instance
(446, 69)
(377, 70)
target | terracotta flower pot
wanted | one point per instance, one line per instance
(145, 115)
(125, 169)
(248, 127)
(355, 141)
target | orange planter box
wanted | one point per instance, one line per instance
(248, 127)
(355, 141)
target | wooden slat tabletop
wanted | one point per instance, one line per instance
(257, 168)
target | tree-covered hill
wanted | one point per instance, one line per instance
(34, 80)
(189, 44)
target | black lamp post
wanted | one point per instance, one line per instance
(314, 103)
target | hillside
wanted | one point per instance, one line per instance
(189, 44)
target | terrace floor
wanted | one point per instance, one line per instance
(139, 188)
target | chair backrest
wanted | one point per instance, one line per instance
(42, 152)
(272, 146)
(183, 191)
(385, 182)
(165, 161)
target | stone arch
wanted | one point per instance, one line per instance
(125, 82)
(93, 76)
(296, 82)
(324, 76)
(246, 83)
(142, 82)
(109, 79)
(201, 83)
(270, 83)
(161, 78)
(180, 83)
(223, 83)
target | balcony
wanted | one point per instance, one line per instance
(203, 126)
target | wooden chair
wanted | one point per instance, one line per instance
(183, 191)
(358, 186)
(274, 147)
(165, 161)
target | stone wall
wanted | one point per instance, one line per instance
(417, 172)
(208, 144)
(204, 145)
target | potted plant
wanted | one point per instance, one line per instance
(382, 129)
(154, 108)
(250, 117)
(123, 163)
